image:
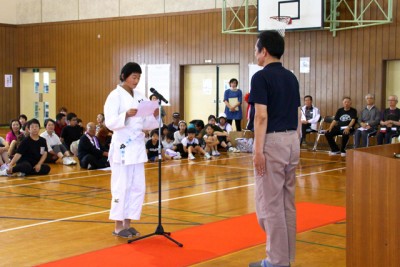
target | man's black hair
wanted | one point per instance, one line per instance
(273, 42)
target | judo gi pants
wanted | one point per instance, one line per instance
(127, 190)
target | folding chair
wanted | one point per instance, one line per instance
(323, 126)
(310, 131)
(371, 134)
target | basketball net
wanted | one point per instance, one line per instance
(279, 23)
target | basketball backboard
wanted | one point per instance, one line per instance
(305, 14)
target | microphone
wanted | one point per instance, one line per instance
(158, 95)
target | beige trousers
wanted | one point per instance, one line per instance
(275, 196)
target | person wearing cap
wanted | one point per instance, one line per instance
(233, 102)
(223, 123)
(127, 153)
(174, 125)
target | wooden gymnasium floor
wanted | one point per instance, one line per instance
(66, 213)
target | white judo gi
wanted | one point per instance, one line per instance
(127, 153)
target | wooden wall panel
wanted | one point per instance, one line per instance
(88, 67)
(8, 51)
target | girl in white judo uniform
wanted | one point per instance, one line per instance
(127, 150)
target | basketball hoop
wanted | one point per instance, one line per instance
(279, 23)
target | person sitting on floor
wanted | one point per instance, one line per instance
(223, 123)
(72, 131)
(57, 151)
(60, 123)
(14, 137)
(179, 135)
(31, 154)
(152, 147)
(23, 119)
(211, 141)
(153, 97)
(169, 148)
(343, 124)
(90, 155)
(191, 145)
(369, 121)
(4, 159)
(174, 125)
(309, 118)
(224, 140)
(103, 134)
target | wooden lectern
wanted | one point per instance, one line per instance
(373, 206)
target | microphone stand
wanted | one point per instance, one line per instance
(160, 228)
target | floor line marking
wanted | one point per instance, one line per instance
(148, 203)
(81, 177)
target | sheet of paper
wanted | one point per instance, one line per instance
(233, 101)
(146, 108)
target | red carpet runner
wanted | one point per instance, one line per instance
(200, 243)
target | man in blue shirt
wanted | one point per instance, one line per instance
(276, 99)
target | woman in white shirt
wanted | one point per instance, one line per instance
(56, 149)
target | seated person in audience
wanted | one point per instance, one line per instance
(56, 150)
(199, 126)
(153, 97)
(223, 124)
(152, 147)
(79, 122)
(164, 133)
(63, 110)
(369, 120)
(191, 145)
(221, 134)
(103, 134)
(4, 159)
(174, 125)
(211, 121)
(72, 131)
(31, 153)
(343, 124)
(390, 122)
(309, 118)
(100, 121)
(168, 142)
(179, 135)
(14, 137)
(169, 147)
(224, 140)
(211, 141)
(23, 119)
(90, 155)
(60, 123)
